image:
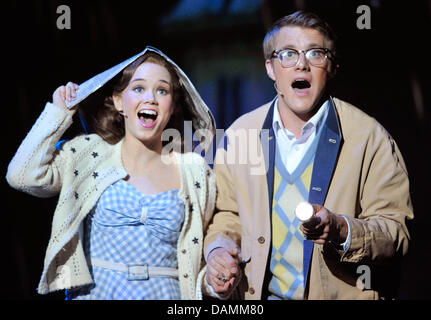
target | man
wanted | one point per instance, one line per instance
(318, 149)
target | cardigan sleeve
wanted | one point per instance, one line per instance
(210, 196)
(37, 166)
(207, 198)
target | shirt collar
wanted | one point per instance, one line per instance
(314, 122)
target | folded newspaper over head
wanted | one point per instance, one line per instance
(202, 116)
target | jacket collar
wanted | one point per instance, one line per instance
(324, 154)
(267, 124)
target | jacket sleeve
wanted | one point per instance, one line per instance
(380, 232)
(37, 166)
(225, 228)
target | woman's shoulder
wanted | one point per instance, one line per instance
(86, 139)
(85, 146)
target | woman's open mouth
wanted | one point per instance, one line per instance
(147, 117)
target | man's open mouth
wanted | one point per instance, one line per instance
(147, 117)
(301, 84)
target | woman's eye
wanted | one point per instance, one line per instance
(138, 89)
(162, 91)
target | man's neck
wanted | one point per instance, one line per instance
(294, 122)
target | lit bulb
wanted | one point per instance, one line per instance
(304, 211)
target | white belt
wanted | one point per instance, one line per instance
(136, 271)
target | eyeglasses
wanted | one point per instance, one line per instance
(315, 56)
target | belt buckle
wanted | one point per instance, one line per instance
(137, 271)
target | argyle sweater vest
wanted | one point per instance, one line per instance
(286, 263)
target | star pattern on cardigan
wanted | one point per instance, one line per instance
(87, 138)
(95, 175)
(71, 210)
(75, 172)
(197, 185)
(195, 240)
(73, 150)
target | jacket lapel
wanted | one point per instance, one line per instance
(323, 168)
(324, 164)
(267, 140)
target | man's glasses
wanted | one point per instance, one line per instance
(315, 56)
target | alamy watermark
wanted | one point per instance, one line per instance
(64, 20)
(364, 20)
(364, 280)
(248, 147)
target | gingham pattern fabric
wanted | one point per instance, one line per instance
(129, 227)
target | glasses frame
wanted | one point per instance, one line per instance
(276, 54)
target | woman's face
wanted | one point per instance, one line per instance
(147, 102)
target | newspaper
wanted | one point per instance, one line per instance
(91, 85)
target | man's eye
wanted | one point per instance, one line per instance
(317, 53)
(289, 54)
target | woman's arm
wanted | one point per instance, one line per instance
(37, 166)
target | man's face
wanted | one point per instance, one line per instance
(299, 97)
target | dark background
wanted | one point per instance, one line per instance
(384, 71)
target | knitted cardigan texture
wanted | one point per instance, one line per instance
(79, 172)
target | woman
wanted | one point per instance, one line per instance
(131, 211)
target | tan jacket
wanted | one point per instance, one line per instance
(358, 171)
(83, 168)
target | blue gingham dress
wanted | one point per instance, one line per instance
(129, 227)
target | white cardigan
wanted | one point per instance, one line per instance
(83, 168)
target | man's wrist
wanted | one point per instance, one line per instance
(342, 230)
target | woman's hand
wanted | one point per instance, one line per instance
(65, 93)
(222, 269)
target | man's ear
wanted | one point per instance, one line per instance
(333, 70)
(118, 103)
(269, 69)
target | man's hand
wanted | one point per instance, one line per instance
(222, 269)
(325, 226)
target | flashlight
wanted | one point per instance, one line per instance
(304, 211)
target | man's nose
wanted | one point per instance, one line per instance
(302, 63)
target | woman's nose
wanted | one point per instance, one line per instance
(149, 97)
